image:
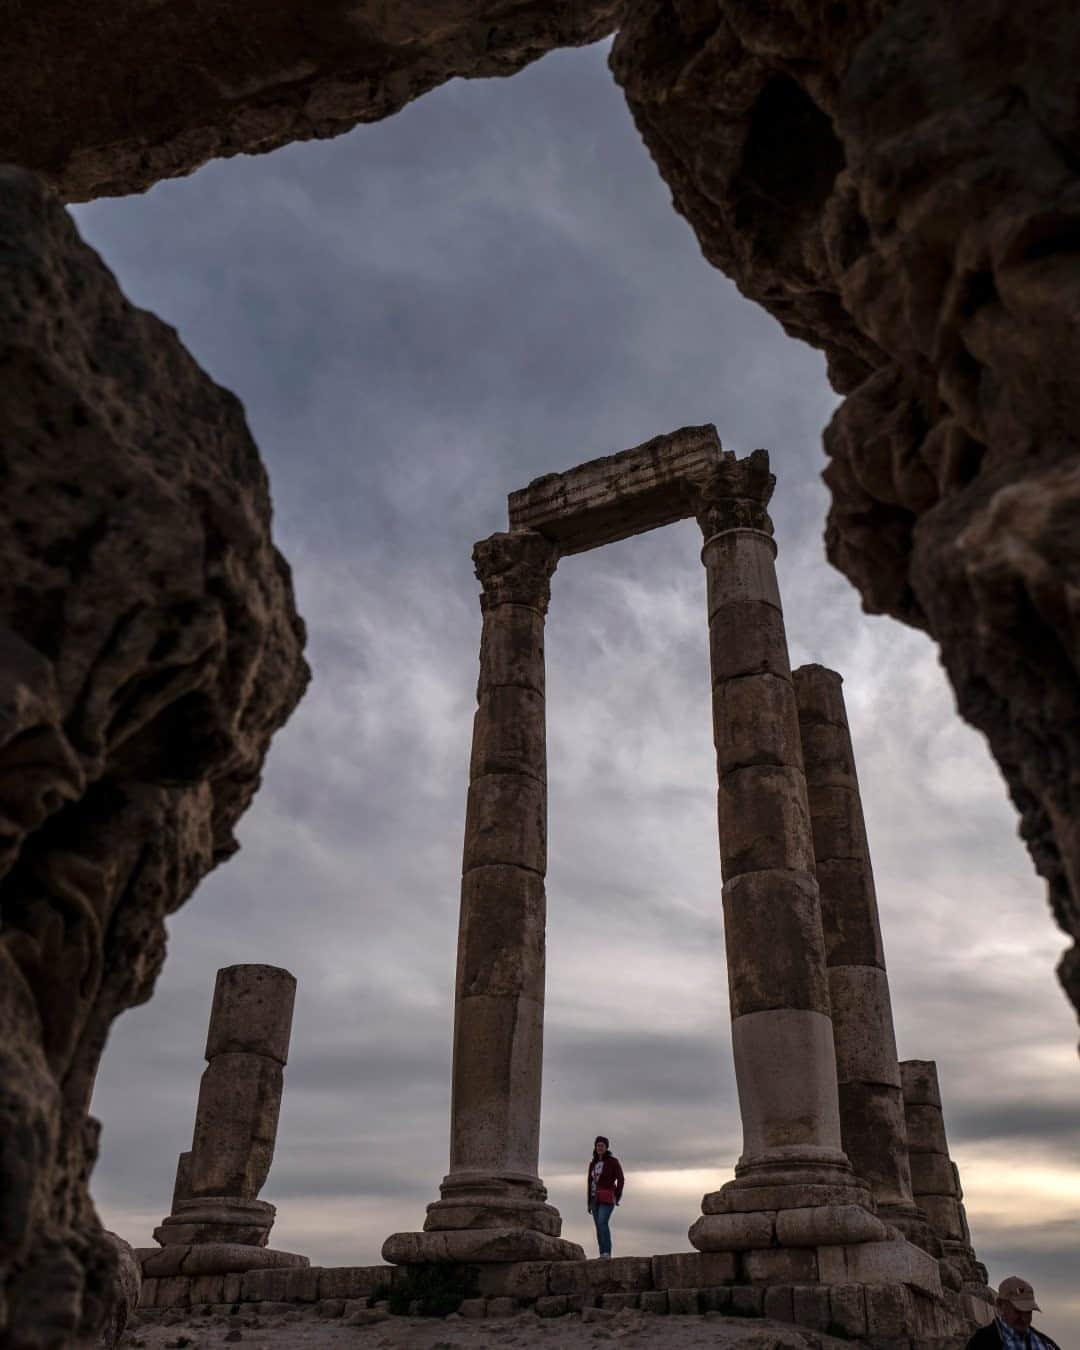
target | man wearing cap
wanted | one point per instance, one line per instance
(1011, 1329)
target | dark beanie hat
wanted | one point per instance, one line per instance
(600, 1139)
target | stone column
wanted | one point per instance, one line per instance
(493, 1203)
(935, 1178)
(218, 1182)
(868, 1072)
(782, 1033)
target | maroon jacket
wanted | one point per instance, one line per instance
(611, 1179)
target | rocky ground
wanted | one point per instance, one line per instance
(302, 1330)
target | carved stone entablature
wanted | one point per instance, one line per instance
(515, 569)
(735, 495)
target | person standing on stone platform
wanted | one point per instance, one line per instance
(1011, 1329)
(603, 1190)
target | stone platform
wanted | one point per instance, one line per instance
(865, 1305)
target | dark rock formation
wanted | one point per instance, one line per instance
(127, 1284)
(896, 182)
(107, 100)
(149, 648)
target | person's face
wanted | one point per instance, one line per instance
(1015, 1318)
(601, 1149)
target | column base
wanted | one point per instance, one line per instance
(479, 1200)
(485, 1216)
(217, 1218)
(477, 1246)
(775, 1202)
(214, 1258)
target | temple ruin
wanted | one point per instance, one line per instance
(845, 1211)
(823, 1193)
(925, 242)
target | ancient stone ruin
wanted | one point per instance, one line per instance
(823, 1192)
(217, 1223)
(845, 1211)
(895, 183)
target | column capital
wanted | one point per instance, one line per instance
(735, 495)
(515, 569)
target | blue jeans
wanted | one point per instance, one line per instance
(601, 1214)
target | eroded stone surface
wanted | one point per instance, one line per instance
(107, 101)
(127, 1284)
(618, 495)
(896, 183)
(149, 648)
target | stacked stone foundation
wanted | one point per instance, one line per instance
(780, 1284)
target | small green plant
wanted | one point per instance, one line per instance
(438, 1290)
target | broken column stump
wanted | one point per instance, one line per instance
(935, 1178)
(218, 1224)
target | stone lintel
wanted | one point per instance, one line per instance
(618, 495)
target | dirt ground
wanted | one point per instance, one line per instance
(302, 1330)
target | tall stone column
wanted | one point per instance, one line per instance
(872, 1122)
(493, 1203)
(935, 1178)
(247, 1045)
(782, 1033)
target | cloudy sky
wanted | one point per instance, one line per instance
(420, 317)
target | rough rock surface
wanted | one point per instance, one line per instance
(149, 648)
(127, 1282)
(896, 182)
(103, 101)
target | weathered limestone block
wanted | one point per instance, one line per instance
(523, 1279)
(894, 1262)
(623, 1274)
(779, 1265)
(252, 1012)
(764, 823)
(236, 1125)
(733, 1232)
(776, 922)
(352, 1281)
(693, 1270)
(897, 185)
(150, 648)
(819, 1225)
